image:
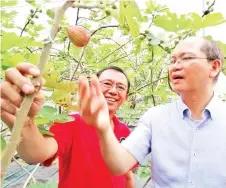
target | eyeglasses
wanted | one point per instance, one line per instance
(186, 59)
(108, 84)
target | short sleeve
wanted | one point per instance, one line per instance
(63, 136)
(138, 143)
(126, 131)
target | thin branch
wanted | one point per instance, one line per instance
(146, 182)
(152, 88)
(79, 62)
(77, 17)
(28, 22)
(103, 27)
(148, 84)
(115, 43)
(4, 130)
(116, 50)
(85, 6)
(207, 11)
(29, 50)
(97, 20)
(121, 58)
(76, 23)
(154, 16)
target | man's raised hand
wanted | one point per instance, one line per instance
(93, 105)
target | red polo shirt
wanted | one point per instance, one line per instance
(80, 161)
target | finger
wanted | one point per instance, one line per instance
(37, 104)
(11, 93)
(13, 76)
(28, 69)
(43, 81)
(95, 86)
(8, 107)
(8, 118)
(84, 96)
(83, 88)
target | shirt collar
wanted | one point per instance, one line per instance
(211, 107)
(182, 108)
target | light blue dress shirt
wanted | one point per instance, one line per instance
(184, 153)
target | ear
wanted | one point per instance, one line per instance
(126, 98)
(215, 67)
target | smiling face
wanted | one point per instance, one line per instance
(190, 69)
(114, 87)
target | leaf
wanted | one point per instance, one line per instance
(50, 13)
(213, 19)
(63, 118)
(2, 144)
(8, 3)
(129, 12)
(67, 85)
(45, 132)
(51, 78)
(133, 25)
(62, 97)
(33, 58)
(48, 112)
(41, 120)
(144, 175)
(12, 60)
(10, 40)
(121, 17)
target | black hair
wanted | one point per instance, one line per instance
(111, 67)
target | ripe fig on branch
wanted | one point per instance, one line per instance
(78, 35)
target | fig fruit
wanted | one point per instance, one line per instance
(108, 12)
(78, 35)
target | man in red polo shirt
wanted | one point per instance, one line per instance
(75, 143)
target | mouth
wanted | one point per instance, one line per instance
(177, 76)
(111, 100)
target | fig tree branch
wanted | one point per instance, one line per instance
(76, 23)
(121, 58)
(103, 27)
(148, 84)
(22, 112)
(29, 20)
(207, 11)
(115, 43)
(86, 6)
(116, 50)
(79, 63)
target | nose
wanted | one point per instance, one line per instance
(177, 66)
(113, 90)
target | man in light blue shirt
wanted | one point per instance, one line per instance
(184, 152)
(186, 138)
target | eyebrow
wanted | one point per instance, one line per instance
(183, 53)
(113, 81)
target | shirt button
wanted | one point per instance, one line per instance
(194, 154)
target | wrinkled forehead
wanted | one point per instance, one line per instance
(191, 45)
(113, 75)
